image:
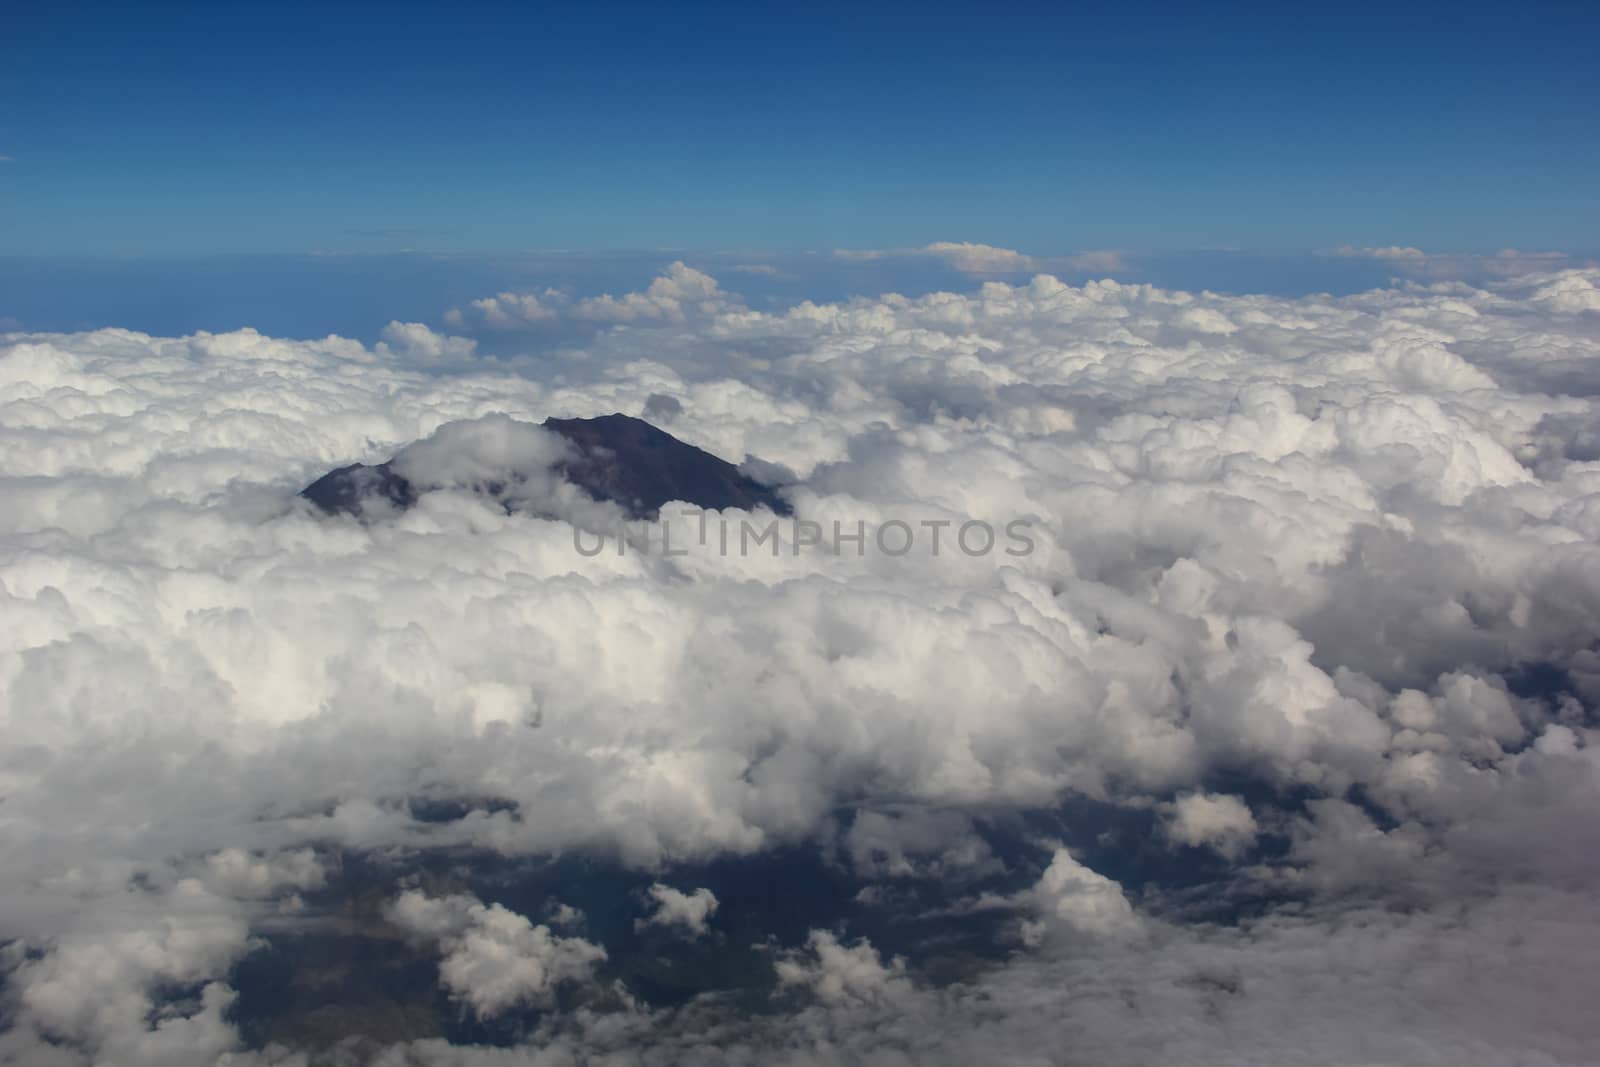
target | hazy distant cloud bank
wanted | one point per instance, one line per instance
(1314, 607)
(977, 259)
(1507, 263)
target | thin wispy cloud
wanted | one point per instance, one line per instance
(1506, 263)
(964, 256)
(981, 259)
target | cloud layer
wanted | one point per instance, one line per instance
(973, 258)
(1313, 601)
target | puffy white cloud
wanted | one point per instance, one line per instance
(97, 975)
(97, 987)
(678, 295)
(493, 959)
(481, 451)
(1071, 898)
(1342, 550)
(979, 258)
(1212, 820)
(1362, 986)
(835, 972)
(512, 311)
(689, 913)
(1571, 292)
(417, 343)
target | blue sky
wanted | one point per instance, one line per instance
(184, 130)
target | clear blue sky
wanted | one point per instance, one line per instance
(154, 129)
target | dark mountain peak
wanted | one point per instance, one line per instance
(614, 422)
(615, 458)
(611, 431)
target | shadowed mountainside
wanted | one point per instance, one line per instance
(618, 458)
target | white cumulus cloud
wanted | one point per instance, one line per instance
(1212, 820)
(1333, 555)
(689, 913)
(493, 959)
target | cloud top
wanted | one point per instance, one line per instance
(1280, 742)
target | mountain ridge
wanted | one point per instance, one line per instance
(617, 458)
